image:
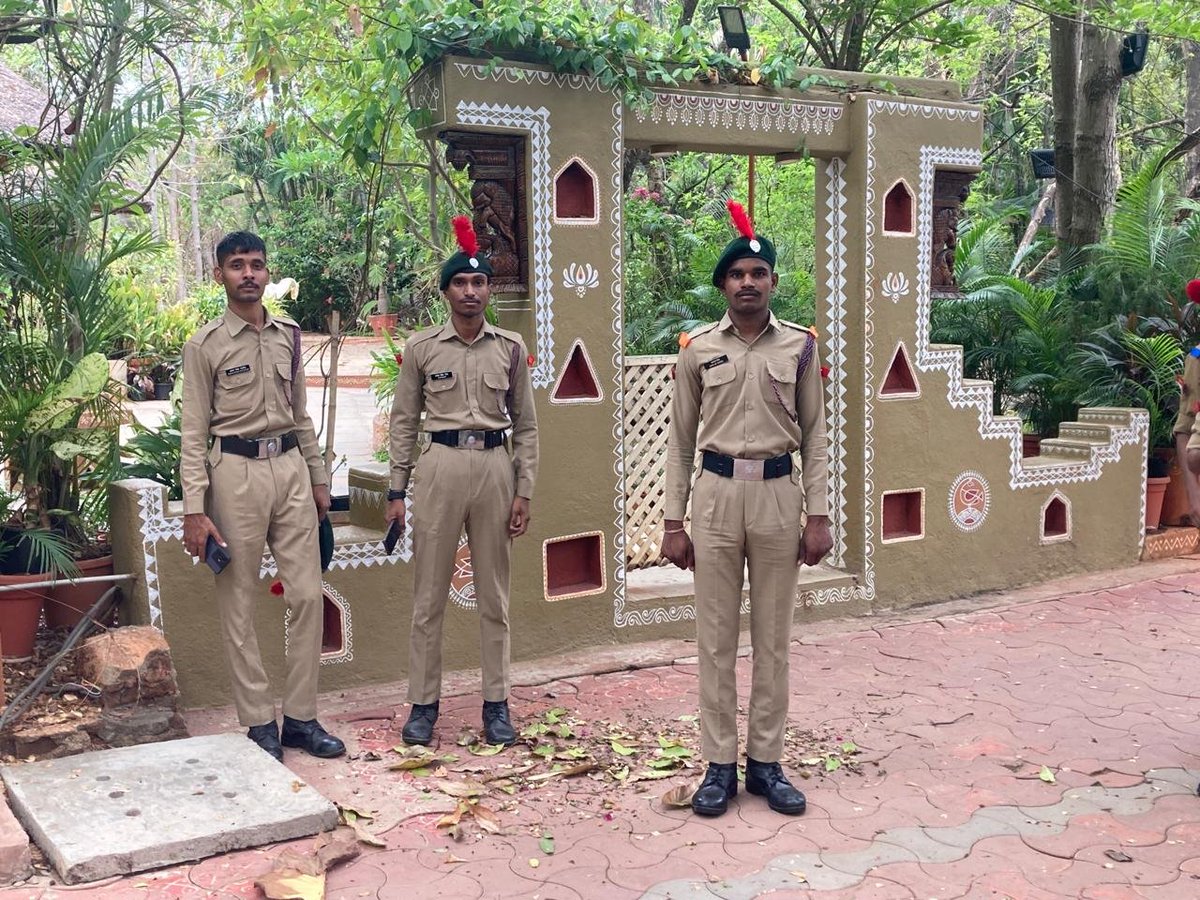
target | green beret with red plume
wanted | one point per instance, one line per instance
(747, 244)
(468, 258)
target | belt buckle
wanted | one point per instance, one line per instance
(268, 447)
(476, 440)
(747, 469)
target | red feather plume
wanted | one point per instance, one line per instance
(1193, 290)
(464, 233)
(741, 221)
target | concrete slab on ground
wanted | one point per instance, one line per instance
(120, 811)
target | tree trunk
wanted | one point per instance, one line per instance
(194, 202)
(171, 187)
(1191, 120)
(1064, 79)
(155, 198)
(686, 13)
(1096, 170)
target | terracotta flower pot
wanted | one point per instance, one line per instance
(67, 603)
(381, 322)
(1155, 489)
(20, 612)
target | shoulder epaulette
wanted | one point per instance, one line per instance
(206, 329)
(686, 337)
(811, 329)
(514, 336)
(421, 336)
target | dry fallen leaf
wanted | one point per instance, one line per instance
(297, 787)
(680, 796)
(291, 885)
(461, 789)
(487, 819)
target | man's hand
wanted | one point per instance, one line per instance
(322, 500)
(677, 546)
(518, 518)
(815, 542)
(395, 513)
(196, 529)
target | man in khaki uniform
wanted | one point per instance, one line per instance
(472, 382)
(1187, 437)
(262, 481)
(748, 393)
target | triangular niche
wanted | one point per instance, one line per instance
(577, 382)
(901, 380)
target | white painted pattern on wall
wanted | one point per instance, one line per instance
(536, 121)
(699, 110)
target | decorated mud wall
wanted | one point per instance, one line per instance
(931, 496)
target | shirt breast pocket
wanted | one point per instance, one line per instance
(234, 378)
(780, 387)
(719, 385)
(284, 370)
(439, 391)
(495, 388)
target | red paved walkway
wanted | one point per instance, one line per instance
(944, 725)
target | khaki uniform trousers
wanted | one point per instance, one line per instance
(735, 523)
(257, 502)
(460, 487)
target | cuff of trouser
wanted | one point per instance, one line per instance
(525, 488)
(816, 505)
(193, 503)
(318, 475)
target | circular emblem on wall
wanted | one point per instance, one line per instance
(969, 501)
(462, 580)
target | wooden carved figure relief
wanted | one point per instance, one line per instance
(495, 164)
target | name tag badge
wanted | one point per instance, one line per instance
(238, 370)
(441, 376)
(712, 363)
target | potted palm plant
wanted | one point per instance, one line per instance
(59, 241)
(1121, 367)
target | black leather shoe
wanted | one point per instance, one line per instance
(718, 788)
(497, 726)
(768, 780)
(311, 738)
(419, 727)
(267, 737)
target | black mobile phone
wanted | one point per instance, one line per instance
(216, 556)
(393, 535)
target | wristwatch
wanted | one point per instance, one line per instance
(397, 495)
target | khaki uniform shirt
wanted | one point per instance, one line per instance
(738, 398)
(1189, 394)
(238, 382)
(464, 386)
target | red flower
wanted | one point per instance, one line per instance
(824, 371)
(399, 359)
(277, 588)
(1193, 290)
(529, 360)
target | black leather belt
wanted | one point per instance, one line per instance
(747, 469)
(475, 440)
(260, 448)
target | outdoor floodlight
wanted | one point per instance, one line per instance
(1133, 53)
(1043, 163)
(733, 25)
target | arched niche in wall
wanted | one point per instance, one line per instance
(1056, 519)
(576, 194)
(898, 205)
